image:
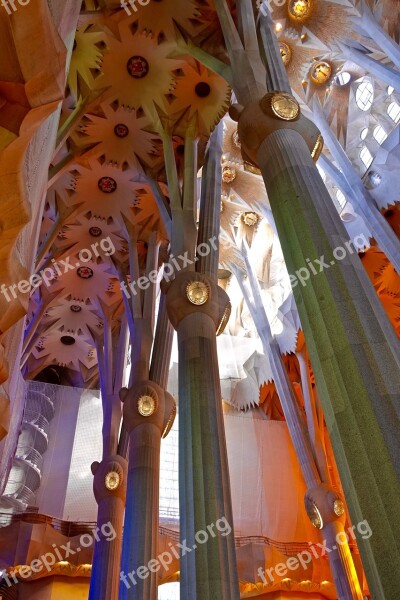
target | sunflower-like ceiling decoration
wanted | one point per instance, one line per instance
(138, 68)
(66, 349)
(230, 212)
(121, 135)
(85, 231)
(170, 13)
(112, 190)
(243, 186)
(199, 92)
(299, 52)
(232, 145)
(77, 316)
(86, 60)
(388, 281)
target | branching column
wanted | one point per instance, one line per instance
(196, 307)
(353, 348)
(363, 201)
(371, 26)
(110, 475)
(148, 415)
(374, 67)
(110, 478)
(319, 496)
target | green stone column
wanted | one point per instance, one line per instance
(353, 348)
(208, 568)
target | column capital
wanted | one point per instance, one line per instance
(147, 403)
(110, 478)
(193, 293)
(260, 118)
(324, 505)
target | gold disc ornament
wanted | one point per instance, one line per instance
(285, 106)
(197, 292)
(146, 406)
(112, 480)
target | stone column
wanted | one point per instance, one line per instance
(371, 26)
(196, 306)
(148, 416)
(326, 511)
(362, 200)
(110, 492)
(353, 348)
(372, 66)
(161, 357)
(341, 562)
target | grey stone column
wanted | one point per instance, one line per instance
(276, 75)
(208, 570)
(109, 486)
(210, 206)
(347, 589)
(372, 66)
(370, 25)
(161, 358)
(148, 411)
(363, 202)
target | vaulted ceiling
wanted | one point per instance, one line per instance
(131, 78)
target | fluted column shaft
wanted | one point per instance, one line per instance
(210, 205)
(161, 358)
(313, 427)
(141, 516)
(342, 564)
(353, 349)
(107, 554)
(104, 582)
(276, 76)
(209, 572)
(347, 590)
(148, 414)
